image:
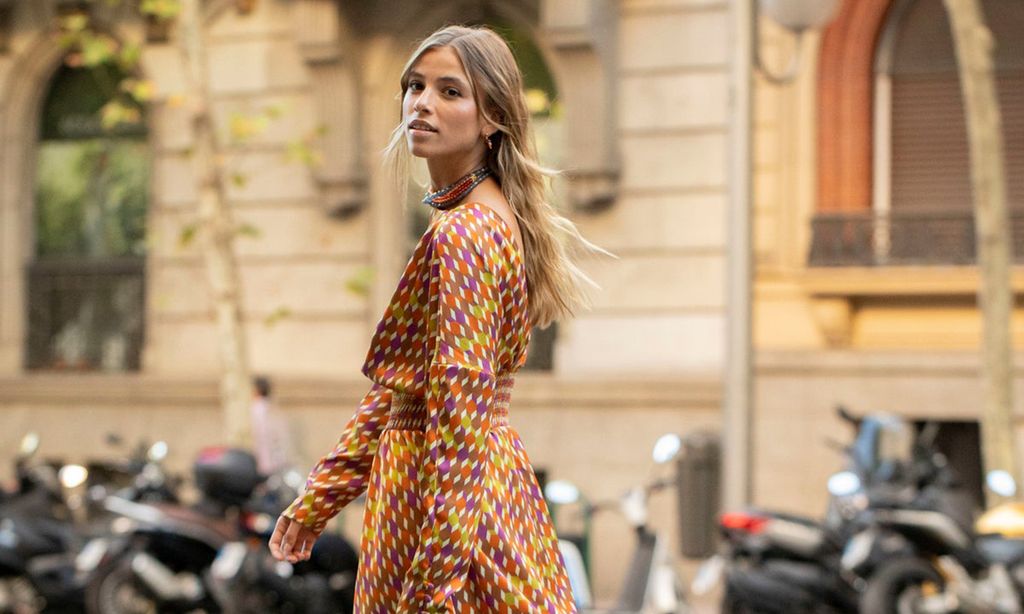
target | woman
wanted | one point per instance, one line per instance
(455, 520)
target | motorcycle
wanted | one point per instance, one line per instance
(49, 517)
(162, 556)
(652, 584)
(772, 562)
(246, 579)
(929, 560)
(36, 537)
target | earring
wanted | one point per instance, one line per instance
(490, 145)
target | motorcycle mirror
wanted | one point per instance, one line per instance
(157, 452)
(72, 476)
(29, 445)
(1001, 482)
(666, 448)
(843, 483)
(845, 415)
(562, 492)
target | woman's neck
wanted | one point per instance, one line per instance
(445, 173)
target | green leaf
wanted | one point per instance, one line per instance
(130, 55)
(244, 127)
(143, 91)
(360, 282)
(300, 151)
(276, 316)
(188, 234)
(97, 50)
(116, 112)
(248, 230)
(76, 22)
(274, 111)
(161, 9)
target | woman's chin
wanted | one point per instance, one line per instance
(418, 150)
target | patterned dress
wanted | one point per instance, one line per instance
(454, 520)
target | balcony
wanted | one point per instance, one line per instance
(85, 314)
(909, 238)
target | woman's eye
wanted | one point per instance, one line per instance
(451, 91)
(415, 86)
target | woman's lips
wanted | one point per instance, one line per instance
(420, 126)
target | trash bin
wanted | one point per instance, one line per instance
(698, 472)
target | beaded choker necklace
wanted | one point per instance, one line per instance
(450, 195)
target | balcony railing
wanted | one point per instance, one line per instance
(903, 238)
(85, 315)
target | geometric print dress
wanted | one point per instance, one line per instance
(454, 521)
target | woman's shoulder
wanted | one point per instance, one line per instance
(475, 224)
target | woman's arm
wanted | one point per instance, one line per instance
(460, 390)
(342, 475)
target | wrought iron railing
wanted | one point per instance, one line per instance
(85, 315)
(901, 238)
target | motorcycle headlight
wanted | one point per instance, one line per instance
(72, 476)
(844, 483)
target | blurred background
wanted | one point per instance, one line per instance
(790, 202)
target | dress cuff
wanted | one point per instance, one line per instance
(301, 511)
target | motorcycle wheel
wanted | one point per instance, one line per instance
(18, 595)
(115, 590)
(897, 587)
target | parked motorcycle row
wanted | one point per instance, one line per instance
(114, 537)
(899, 537)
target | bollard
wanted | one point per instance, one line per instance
(698, 475)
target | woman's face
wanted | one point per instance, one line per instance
(439, 110)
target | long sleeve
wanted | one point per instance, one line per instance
(459, 392)
(342, 475)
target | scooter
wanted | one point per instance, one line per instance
(51, 515)
(652, 584)
(927, 560)
(36, 538)
(246, 579)
(777, 563)
(168, 557)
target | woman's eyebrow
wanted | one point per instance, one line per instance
(447, 78)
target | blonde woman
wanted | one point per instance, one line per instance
(455, 520)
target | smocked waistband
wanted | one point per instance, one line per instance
(409, 412)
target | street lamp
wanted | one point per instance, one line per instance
(797, 16)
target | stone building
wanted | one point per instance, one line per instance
(866, 277)
(105, 319)
(864, 283)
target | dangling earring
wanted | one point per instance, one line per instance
(490, 145)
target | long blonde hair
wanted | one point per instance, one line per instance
(554, 281)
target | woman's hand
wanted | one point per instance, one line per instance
(291, 541)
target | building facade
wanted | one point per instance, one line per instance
(106, 322)
(866, 282)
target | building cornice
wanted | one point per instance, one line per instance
(532, 391)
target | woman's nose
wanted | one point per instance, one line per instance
(422, 101)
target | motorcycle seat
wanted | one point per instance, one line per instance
(1000, 550)
(220, 528)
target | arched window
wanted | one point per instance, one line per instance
(86, 279)
(922, 165)
(546, 116)
(893, 164)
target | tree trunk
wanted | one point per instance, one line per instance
(217, 233)
(974, 44)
